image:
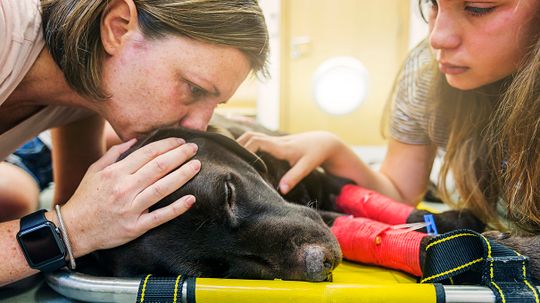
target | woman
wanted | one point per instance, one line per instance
(473, 89)
(139, 65)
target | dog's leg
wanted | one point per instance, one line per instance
(361, 202)
(329, 216)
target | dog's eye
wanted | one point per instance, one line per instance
(229, 193)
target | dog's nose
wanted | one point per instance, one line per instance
(319, 263)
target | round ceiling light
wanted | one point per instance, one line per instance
(340, 85)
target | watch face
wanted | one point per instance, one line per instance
(40, 244)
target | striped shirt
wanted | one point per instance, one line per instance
(411, 120)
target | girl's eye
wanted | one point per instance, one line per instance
(479, 11)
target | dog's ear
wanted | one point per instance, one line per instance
(239, 150)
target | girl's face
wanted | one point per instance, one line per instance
(481, 41)
(166, 82)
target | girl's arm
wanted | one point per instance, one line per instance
(404, 174)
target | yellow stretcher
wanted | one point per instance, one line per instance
(351, 283)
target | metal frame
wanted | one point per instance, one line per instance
(84, 287)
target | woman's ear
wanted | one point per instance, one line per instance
(118, 18)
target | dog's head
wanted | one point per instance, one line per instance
(240, 226)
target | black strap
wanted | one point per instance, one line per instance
(166, 289)
(33, 219)
(467, 257)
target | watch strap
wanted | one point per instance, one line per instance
(33, 219)
(53, 265)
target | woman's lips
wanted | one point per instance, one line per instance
(450, 69)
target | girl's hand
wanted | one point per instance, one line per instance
(110, 206)
(304, 152)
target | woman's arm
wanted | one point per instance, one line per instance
(113, 196)
(14, 265)
(404, 174)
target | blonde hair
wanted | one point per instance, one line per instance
(514, 137)
(72, 32)
(468, 153)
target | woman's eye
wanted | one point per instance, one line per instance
(196, 92)
(479, 11)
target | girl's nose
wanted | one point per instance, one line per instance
(445, 31)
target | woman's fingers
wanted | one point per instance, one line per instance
(162, 165)
(116, 195)
(166, 185)
(112, 155)
(139, 158)
(159, 216)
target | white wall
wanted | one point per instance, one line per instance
(269, 90)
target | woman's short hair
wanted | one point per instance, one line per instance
(72, 32)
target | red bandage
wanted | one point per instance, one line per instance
(360, 202)
(372, 242)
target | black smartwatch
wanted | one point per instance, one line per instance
(41, 242)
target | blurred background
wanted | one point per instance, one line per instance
(333, 63)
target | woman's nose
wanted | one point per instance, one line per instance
(197, 121)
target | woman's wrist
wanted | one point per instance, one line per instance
(80, 246)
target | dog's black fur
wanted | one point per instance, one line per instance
(240, 226)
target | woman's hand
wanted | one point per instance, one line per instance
(304, 152)
(110, 206)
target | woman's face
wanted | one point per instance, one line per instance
(481, 41)
(169, 81)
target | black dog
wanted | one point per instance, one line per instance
(241, 227)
